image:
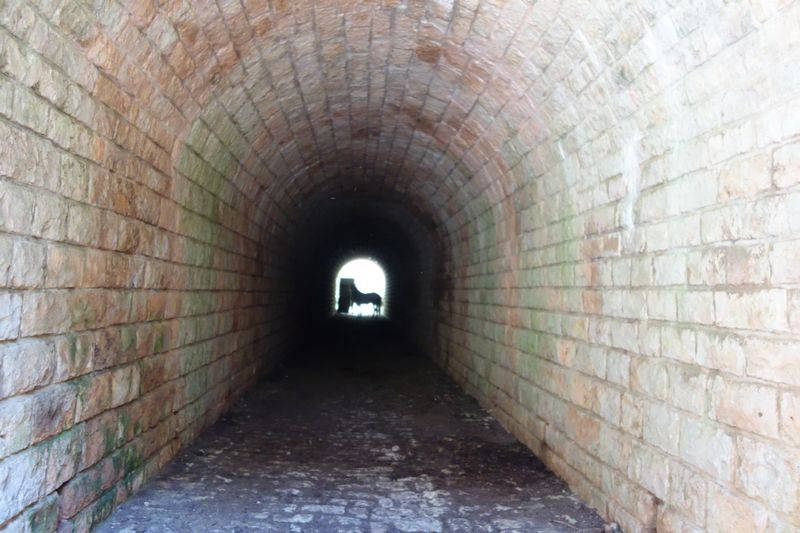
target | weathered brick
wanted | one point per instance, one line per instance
(790, 416)
(706, 267)
(52, 410)
(74, 355)
(746, 265)
(63, 455)
(687, 388)
(744, 178)
(93, 395)
(124, 385)
(45, 312)
(22, 479)
(786, 165)
(696, 307)
(6, 254)
(773, 360)
(15, 413)
(631, 414)
(688, 491)
(649, 468)
(784, 259)
(670, 269)
(661, 426)
(722, 352)
(730, 512)
(64, 267)
(27, 264)
(649, 377)
(40, 517)
(715, 456)
(679, 344)
(671, 520)
(10, 315)
(25, 365)
(50, 217)
(770, 473)
(764, 310)
(794, 309)
(745, 405)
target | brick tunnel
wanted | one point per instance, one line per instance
(588, 214)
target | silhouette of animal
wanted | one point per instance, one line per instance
(359, 298)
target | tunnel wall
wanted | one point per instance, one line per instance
(136, 303)
(633, 314)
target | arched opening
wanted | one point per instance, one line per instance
(360, 288)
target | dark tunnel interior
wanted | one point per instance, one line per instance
(400, 241)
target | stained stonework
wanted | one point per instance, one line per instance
(604, 198)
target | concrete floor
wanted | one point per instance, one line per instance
(360, 436)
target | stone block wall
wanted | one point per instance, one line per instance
(643, 336)
(134, 305)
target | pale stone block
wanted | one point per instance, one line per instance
(649, 377)
(15, 413)
(53, 410)
(688, 491)
(661, 427)
(744, 178)
(44, 312)
(746, 265)
(687, 387)
(722, 352)
(124, 385)
(649, 468)
(704, 445)
(27, 264)
(679, 343)
(16, 207)
(785, 261)
(696, 307)
(764, 309)
(766, 471)
(10, 315)
(773, 360)
(745, 405)
(786, 165)
(22, 479)
(670, 269)
(729, 512)
(662, 305)
(790, 416)
(25, 365)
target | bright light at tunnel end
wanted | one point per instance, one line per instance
(368, 276)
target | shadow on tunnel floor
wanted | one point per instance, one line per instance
(357, 433)
(347, 340)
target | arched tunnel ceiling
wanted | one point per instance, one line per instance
(393, 95)
(451, 104)
(435, 100)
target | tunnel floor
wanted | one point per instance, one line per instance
(362, 435)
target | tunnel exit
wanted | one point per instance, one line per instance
(360, 289)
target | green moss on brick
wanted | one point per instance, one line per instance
(44, 518)
(103, 506)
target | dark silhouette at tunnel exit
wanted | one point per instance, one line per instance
(349, 295)
(368, 275)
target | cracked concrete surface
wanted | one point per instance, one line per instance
(361, 436)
